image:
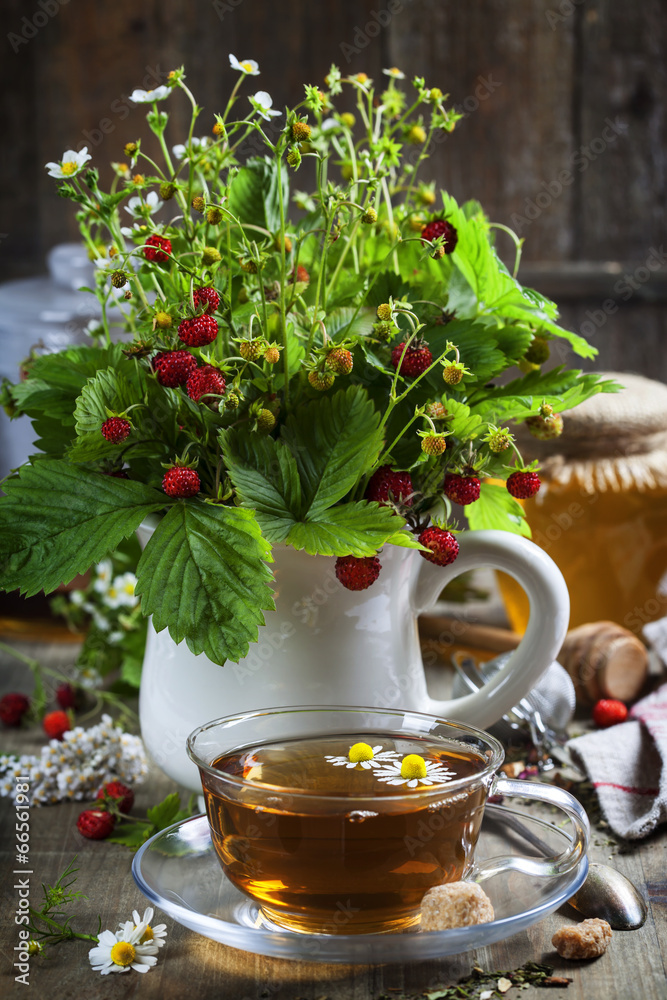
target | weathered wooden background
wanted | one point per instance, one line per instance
(564, 138)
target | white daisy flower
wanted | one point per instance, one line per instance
(71, 164)
(413, 770)
(247, 66)
(363, 755)
(101, 621)
(123, 951)
(180, 150)
(395, 73)
(148, 96)
(121, 592)
(262, 103)
(141, 207)
(152, 935)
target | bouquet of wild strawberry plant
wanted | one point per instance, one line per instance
(317, 369)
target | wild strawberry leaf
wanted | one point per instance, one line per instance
(560, 388)
(108, 390)
(265, 475)
(334, 441)
(253, 194)
(464, 425)
(58, 519)
(496, 508)
(355, 529)
(203, 575)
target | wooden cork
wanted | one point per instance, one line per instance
(604, 660)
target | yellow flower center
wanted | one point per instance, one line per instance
(246, 66)
(413, 766)
(113, 593)
(362, 77)
(147, 935)
(129, 589)
(70, 168)
(360, 751)
(123, 953)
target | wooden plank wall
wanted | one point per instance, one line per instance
(564, 135)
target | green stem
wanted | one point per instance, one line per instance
(283, 271)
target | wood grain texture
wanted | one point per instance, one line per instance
(189, 965)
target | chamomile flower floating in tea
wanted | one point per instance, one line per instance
(413, 770)
(363, 755)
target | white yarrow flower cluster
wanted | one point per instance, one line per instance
(75, 767)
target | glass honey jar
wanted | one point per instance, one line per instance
(601, 513)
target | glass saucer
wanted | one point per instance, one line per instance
(179, 872)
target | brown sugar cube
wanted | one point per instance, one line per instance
(457, 904)
(589, 939)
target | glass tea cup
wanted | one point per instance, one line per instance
(337, 820)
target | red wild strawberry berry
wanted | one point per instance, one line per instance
(116, 790)
(181, 482)
(207, 297)
(523, 485)
(12, 708)
(158, 248)
(608, 712)
(56, 724)
(300, 274)
(206, 381)
(173, 367)
(443, 545)
(66, 696)
(96, 824)
(434, 230)
(116, 429)
(357, 574)
(198, 331)
(417, 359)
(386, 481)
(461, 489)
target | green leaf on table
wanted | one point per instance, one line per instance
(57, 519)
(357, 529)
(334, 441)
(254, 194)
(166, 812)
(203, 575)
(496, 508)
(131, 834)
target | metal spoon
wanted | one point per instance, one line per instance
(606, 893)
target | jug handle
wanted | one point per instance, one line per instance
(549, 600)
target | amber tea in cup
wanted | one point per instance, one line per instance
(339, 820)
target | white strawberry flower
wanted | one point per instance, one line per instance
(395, 73)
(121, 592)
(180, 150)
(71, 164)
(262, 103)
(247, 66)
(141, 207)
(148, 96)
(103, 575)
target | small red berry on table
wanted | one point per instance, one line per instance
(123, 795)
(96, 824)
(56, 724)
(608, 712)
(12, 708)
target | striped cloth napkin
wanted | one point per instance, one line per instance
(627, 765)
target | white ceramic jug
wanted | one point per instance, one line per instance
(325, 645)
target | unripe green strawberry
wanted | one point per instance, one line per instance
(232, 401)
(300, 131)
(266, 421)
(500, 440)
(383, 312)
(210, 255)
(538, 352)
(436, 411)
(370, 216)
(214, 216)
(167, 190)
(249, 266)
(162, 320)
(545, 428)
(416, 135)
(118, 279)
(385, 331)
(251, 350)
(199, 204)
(339, 361)
(321, 380)
(453, 373)
(434, 444)
(272, 355)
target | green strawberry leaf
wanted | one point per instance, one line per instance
(266, 478)
(164, 813)
(355, 529)
(58, 519)
(109, 389)
(334, 441)
(203, 575)
(254, 194)
(131, 834)
(464, 425)
(496, 508)
(559, 388)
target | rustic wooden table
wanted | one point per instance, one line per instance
(189, 965)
